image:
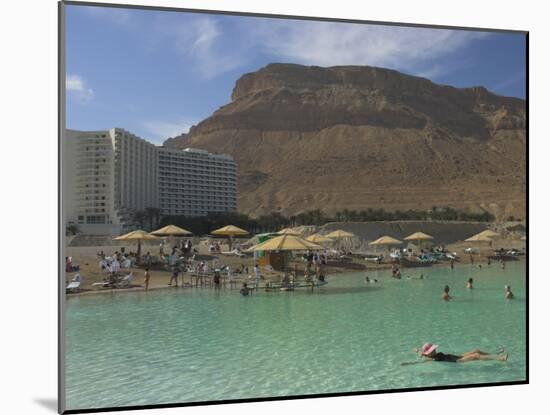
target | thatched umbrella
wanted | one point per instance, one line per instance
(318, 239)
(172, 231)
(339, 234)
(419, 237)
(230, 231)
(289, 231)
(286, 243)
(386, 241)
(138, 236)
(485, 236)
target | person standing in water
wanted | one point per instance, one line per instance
(146, 279)
(445, 296)
(470, 283)
(245, 290)
(508, 292)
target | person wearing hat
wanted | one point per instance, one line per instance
(430, 354)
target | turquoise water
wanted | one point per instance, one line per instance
(186, 345)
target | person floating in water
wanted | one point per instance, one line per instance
(508, 292)
(470, 283)
(430, 354)
(445, 294)
(245, 290)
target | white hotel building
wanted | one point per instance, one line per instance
(108, 175)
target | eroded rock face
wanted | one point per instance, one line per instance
(357, 137)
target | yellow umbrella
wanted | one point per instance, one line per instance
(318, 239)
(385, 241)
(286, 243)
(339, 234)
(138, 236)
(485, 236)
(230, 231)
(289, 231)
(418, 236)
(171, 230)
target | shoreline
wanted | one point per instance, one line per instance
(227, 286)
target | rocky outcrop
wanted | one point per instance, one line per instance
(356, 137)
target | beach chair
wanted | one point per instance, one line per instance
(126, 281)
(74, 284)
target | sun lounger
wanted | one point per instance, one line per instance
(74, 284)
(126, 281)
(233, 252)
(101, 284)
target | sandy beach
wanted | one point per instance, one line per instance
(90, 272)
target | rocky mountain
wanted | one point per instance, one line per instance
(357, 137)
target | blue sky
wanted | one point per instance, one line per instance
(157, 73)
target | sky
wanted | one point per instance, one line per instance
(156, 73)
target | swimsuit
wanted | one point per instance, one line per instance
(442, 357)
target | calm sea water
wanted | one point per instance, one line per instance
(186, 345)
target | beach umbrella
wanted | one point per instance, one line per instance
(286, 243)
(385, 241)
(485, 236)
(318, 239)
(419, 237)
(230, 231)
(138, 236)
(171, 230)
(339, 234)
(289, 231)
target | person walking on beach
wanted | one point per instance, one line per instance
(452, 264)
(445, 296)
(508, 292)
(470, 284)
(430, 354)
(146, 279)
(174, 276)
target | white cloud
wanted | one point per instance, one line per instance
(161, 130)
(413, 50)
(76, 86)
(199, 41)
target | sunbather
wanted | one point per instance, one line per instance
(430, 354)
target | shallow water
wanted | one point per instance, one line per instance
(186, 345)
